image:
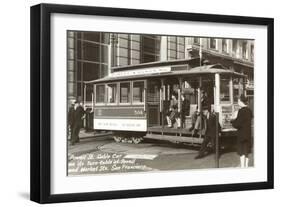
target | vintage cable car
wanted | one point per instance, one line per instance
(132, 101)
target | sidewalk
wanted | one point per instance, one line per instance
(87, 143)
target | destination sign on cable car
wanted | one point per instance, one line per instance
(144, 71)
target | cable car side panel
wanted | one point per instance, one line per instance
(126, 118)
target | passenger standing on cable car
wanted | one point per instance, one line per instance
(185, 109)
(173, 114)
(242, 121)
(196, 116)
(205, 101)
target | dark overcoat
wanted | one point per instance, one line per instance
(77, 116)
(243, 124)
(185, 107)
(70, 115)
(211, 126)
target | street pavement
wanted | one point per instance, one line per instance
(96, 154)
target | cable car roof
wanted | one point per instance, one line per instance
(167, 71)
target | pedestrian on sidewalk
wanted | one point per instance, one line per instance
(242, 121)
(70, 116)
(78, 116)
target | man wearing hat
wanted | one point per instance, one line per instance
(78, 116)
(196, 116)
(210, 132)
(185, 109)
(70, 115)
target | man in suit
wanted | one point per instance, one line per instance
(185, 109)
(196, 116)
(77, 121)
(210, 133)
(70, 115)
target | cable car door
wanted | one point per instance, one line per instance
(153, 102)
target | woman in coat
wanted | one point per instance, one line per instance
(243, 124)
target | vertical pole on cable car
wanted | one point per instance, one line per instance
(92, 111)
(217, 110)
(161, 104)
(217, 141)
(179, 100)
(200, 105)
(84, 94)
(85, 121)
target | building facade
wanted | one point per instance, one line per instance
(92, 55)
(234, 54)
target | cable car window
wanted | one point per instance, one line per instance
(125, 92)
(100, 93)
(138, 90)
(153, 93)
(112, 93)
(224, 89)
(89, 92)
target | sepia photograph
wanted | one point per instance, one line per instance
(130, 103)
(149, 102)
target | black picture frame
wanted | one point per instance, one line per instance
(41, 102)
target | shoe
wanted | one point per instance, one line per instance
(191, 128)
(194, 134)
(199, 156)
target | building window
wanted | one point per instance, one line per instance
(135, 49)
(244, 50)
(252, 53)
(138, 90)
(235, 49)
(128, 50)
(123, 49)
(196, 40)
(70, 54)
(175, 48)
(100, 93)
(91, 36)
(180, 47)
(225, 47)
(89, 71)
(125, 92)
(213, 43)
(112, 93)
(92, 59)
(113, 45)
(150, 47)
